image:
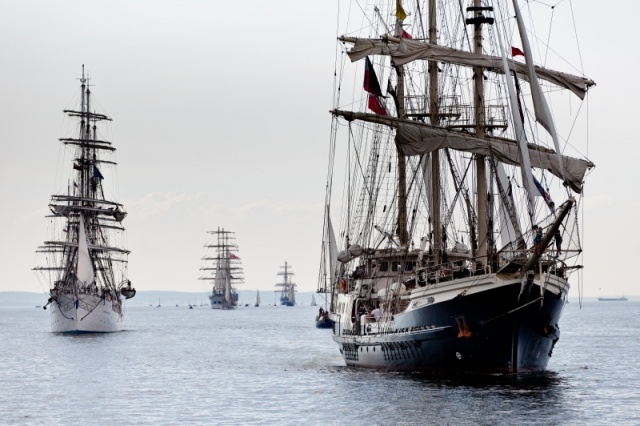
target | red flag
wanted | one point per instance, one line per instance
(233, 256)
(515, 51)
(371, 84)
(376, 106)
(406, 35)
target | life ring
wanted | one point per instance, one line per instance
(343, 285)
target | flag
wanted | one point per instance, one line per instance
(371, 84)
(376, 106)
(545, 194)
(400, 13)
(96, 172)
(233, 256)
(515, 51)
(392, 91)
(400, 32)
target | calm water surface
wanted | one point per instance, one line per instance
(270, 365)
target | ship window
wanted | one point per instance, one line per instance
(384, 266)
(397, 266)
(409, 266)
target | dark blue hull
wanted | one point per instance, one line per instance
(486, 332)
(322, 323)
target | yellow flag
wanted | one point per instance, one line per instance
(400, 11)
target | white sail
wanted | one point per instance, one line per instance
(227, 284)
(507, 230)
(525, 168)
(292, 294)
(543, 115)
(333, 252)
(84, 272)
(257, 297)
(313, 300)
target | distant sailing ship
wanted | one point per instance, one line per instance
(613, 299)
(313, 301)
(451, 151)
(85, 265)
(286, 288)
(257, 299)
(226, 271)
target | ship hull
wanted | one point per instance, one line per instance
(486, 331)
(89, 314)
(218, 302)
(322, 323)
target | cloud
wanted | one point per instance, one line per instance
(158, 205)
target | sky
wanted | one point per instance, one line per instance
(220, 119)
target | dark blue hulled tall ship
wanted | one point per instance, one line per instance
(451, 254)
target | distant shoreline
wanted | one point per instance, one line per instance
(151, 297)
(183, 298)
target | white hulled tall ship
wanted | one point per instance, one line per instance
(84, 262)
(286, 288)
(451, 255)
(226, 271)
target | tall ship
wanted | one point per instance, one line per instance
(459, 221)
(286, 287)
(84, 261)
(226, 271)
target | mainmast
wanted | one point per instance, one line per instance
(435, 155)
(402, 169)
(481, 174)
(84, 108)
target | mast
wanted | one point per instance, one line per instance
(481, 174)
(435, 155)
(402, 169)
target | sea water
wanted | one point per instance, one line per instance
(270, 365)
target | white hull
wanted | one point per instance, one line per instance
(91, 314)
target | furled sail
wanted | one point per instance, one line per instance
(418, 138)
(84, 271)
(404, 51)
